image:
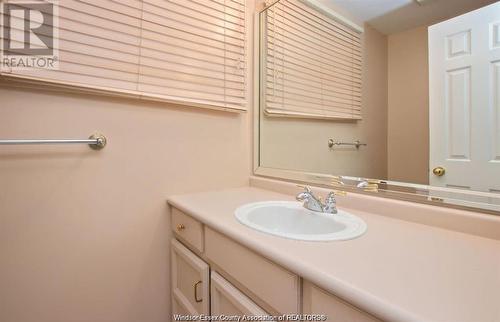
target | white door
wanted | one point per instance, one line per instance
(464, 80)
(190, 282)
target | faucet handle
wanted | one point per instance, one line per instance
(304, 195)
(330, 205)
(330, 197)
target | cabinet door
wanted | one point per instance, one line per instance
(317, 301)
(228, 300)
(190, 282)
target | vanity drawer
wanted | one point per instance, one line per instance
(277, 287)
(188, 229)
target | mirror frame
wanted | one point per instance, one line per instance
(438, 196)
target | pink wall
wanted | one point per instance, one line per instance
(84, 234)
(408, 122)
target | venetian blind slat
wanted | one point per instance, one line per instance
(313, 64)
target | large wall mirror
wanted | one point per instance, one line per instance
(400, 97)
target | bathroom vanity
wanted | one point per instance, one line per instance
(209, 270)
(401, 269)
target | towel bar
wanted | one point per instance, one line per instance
(95, 141)
(356, 143)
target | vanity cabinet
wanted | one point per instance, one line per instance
(201, 278)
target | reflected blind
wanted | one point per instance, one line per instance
(182, 51)
(313, 64)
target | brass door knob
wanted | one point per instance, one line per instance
(438, 171)
(181, 227)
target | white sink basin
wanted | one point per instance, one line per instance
(290, 219)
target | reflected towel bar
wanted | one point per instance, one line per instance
(356, 143)
(95, 141)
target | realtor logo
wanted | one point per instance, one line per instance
(30, 35)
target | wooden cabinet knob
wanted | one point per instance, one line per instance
(181, 227)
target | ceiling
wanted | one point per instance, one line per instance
(392, 16)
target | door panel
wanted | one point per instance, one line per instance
(458, 92)
(190, 282)
(464, 79)
(495, 111)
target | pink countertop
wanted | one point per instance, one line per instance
(398, 270)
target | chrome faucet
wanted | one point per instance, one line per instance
(314, 203)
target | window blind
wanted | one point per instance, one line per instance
(313, 64)
(182, 51)
(194, 50)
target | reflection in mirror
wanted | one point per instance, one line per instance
(405, 91)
